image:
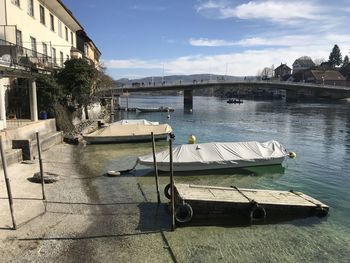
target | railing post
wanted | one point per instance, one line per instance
(155, 166)
(7, 182)
(41, 166)
(172, 187)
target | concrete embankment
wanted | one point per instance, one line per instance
(79, 222)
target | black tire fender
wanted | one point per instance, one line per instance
(183, 213)
(257, 214)
(167, 191)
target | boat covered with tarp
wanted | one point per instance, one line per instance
(159, 109)
(129, 131)
(219, 155)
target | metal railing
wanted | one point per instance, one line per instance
(15, 55)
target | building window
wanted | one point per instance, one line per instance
(33, 45)
(71, 38)
(45, 49)
(19, 42)
(66, 31)
(85, 49)
(42, 15)
(19, 38)
(52, 23)
(54, 56)
(59, 28)
(61, 58)
(16, 2)
(30, 8)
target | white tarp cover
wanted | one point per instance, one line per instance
(127, 122)
(219, 153)
(131, 130)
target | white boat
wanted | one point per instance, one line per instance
(129, 131)
(222, 155)
(159, 109)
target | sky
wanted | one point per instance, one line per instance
(139, 38)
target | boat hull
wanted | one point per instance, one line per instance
(122, 139)
(187, 167)
(155, 109)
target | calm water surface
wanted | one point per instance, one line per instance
(318, 132)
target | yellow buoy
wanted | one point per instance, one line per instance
(191, 139)
(292, 155)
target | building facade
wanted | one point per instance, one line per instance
(88, 48)
(322, 77)
(36, 37)
(302, 63)
(282, 71)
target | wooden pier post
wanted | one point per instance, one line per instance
(7, 181)
(155, 167)
(172, 185)
(41, 166)
(112, 109)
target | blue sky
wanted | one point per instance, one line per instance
(140, 38)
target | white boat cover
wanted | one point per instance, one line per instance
(128, 130)
(143, 121)
(220, 155)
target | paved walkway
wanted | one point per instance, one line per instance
(79, 225)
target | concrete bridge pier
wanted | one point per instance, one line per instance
(188, 100)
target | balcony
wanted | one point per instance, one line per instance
(14, 56)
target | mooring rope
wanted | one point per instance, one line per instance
(249, 199)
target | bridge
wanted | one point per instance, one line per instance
(293, 89)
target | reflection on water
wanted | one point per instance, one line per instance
(318, 133)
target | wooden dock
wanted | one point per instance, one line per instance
(251, 205)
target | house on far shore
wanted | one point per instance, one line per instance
(282, 72)
(323, 77)
(302, 63)
(345, 71)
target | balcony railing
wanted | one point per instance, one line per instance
(13, 55)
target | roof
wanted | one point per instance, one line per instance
(86, 38)
(70, 12)
(304, 61)
(62, 11)
(282, 66)
(327, 75)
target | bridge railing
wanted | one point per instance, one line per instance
(223, 81)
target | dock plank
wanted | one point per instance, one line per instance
(241, 195)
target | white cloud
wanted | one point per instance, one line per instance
(243, 63)
(275, 10)
(205, 42)
(286, 40)
(239, 64)
(210, 5)
(131, 64)
(283, 49)
(286, 12)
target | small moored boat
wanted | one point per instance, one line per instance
(222, 155)
(129, 131)
(159, 109)
(234, 101)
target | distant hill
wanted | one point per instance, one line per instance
(177, 79)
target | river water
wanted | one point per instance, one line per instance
(319, 133)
